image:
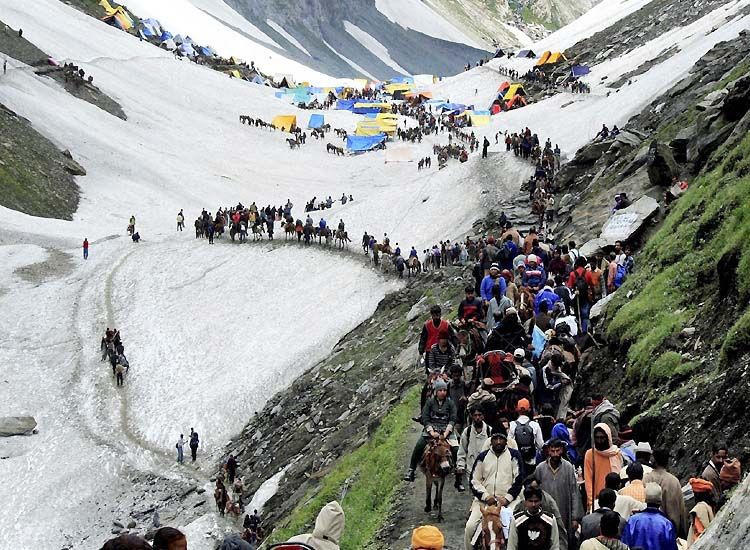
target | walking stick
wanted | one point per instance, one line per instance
(593, 463)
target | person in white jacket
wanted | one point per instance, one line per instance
(472, 439)
(329, 526)
(496, 478)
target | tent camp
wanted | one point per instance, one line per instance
(316, 121)
(358, 144)
(580, 70)
(284, 122)
(345, 104)
(514, 90)
(528, 54)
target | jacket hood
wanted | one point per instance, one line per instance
(329, 525)
(605, 407)
(605, 428)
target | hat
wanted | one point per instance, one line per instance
(519, 353)
(488, 382)
(511, 311)
(653, 493)
(699, 485)
(494, 266)
(428, 537)
(643, 447)
(439, 384)
(498, 432)
(532, 258)
(523, 405)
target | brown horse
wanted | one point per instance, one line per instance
(414, 266)
(525, 304)
(288, 230)
(493, 537)
(436, 465)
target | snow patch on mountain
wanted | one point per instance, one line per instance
(279, 29)
(352, 64)
(375, 47)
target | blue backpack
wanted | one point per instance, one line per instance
(622, 273)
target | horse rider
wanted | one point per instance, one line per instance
(341, 226)
(413, 253)
(322, 223)
(496, 479)
(309, 221)
(438, 418)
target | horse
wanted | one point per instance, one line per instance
(339, 151)
(292, 143)
(325, 128)
(420, 165)
(386, 263)
(493, 537)
(436, 465)
(257, 231)
(324, 233)
(308, 233)
(331, 148)
(342, 238)
(414, 266)
(288, 230)
(525, 304)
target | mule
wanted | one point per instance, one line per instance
(288, 230)
(437, 463)
(493, 537)
(414, 266)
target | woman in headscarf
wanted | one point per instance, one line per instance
(603, 458)
(560, 431)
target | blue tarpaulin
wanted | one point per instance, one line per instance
(365, 110)
(364, 143)
(316, 121)
(402, 80)
(580, 70)
(345, 104)
(166, 35)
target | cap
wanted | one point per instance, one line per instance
(495, 266)
(428, 537)
(439, 384)
(653, 493)
(643, 447)
(519, 353)
(532, 258)
(498, 432)
(523, 405)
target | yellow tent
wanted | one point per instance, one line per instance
(402, 87)
(557, 57)
(107, 7)
(235, 73)
(284, 122)
(514, 90)
(374, 127)
(387, 116)
(479, 120)
(386, 106)
(543, 59)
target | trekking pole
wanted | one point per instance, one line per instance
(580, 321)
(593, 463)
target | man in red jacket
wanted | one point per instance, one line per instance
(85, 249)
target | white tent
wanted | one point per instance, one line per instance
(169, 44)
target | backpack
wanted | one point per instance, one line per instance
(622, 272)
(581, 286)
(504, 255)
(524, 436)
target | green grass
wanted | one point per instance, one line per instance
(371, 474)
(679, 268)
(734, 74)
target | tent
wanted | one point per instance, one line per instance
(516, 101)
(235, 73)
(499, 53)
(402, 80)
(147, 31)
(401, 154)
(503, 87)
(580, 70)
(169, 44)
(358, 144)
(364, 107)
(154, 24)
(345, 104)
(398, 87)
(316, 121)
(542, 60)
(257, 79)
(284, 80)
(284, 122)
(528, 54)
(480, 118)
(166, 35)
(186, 50)
(421, 94)
(514, 90)
(555, 58)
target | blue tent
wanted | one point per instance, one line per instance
(345, 104)
(166, 35)
(526, 53)
(402, 80)
(257, 79)
(580, 70)
(147, 31)
(364, 143)
(186, 49)
(316, 121)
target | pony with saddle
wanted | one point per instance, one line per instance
(437, 463)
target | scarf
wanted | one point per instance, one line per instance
(613, 452)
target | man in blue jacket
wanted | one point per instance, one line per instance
(493, 279)
(534, 277)
(546, 295)
(650, 529)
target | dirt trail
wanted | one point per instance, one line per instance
(410, 509)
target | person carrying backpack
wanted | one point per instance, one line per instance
(580, 284)
(194, 441)
(527, 434)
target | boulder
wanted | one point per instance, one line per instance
(626, 140)
(598, 309)
(661, 165)
(17, 425)
(592, 247)
(590, 153)
(627, 222)
(714, 98)
(72, 166)
(737, 102)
